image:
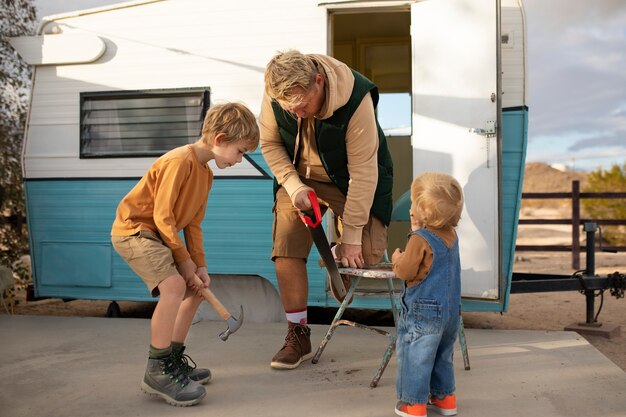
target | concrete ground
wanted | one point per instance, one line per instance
(72, 366)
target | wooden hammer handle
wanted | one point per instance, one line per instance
(212, 299)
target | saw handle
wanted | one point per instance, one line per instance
(212, 299)
(316, 218)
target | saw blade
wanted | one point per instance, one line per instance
(321, 243)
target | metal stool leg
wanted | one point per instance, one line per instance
(336, 321)
(466, 361)
(385, 361)
(392, 299)
(392, 345)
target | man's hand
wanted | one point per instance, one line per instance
(301, 199)
(350, 256)
(396, 254)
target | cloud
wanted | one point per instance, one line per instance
(587, 160)
(552, 16)
(620, 110)
(616, 142)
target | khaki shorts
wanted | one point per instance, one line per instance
(148, 256)
(292, 239)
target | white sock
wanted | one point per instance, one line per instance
(297, 316)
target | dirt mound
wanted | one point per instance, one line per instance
(542, 178)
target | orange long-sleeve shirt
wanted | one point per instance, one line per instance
(414, 263)
(170, 197)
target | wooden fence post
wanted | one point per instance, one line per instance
(576, 225)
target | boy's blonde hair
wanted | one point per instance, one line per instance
(235, 120)
(287, 70)
(437, 200)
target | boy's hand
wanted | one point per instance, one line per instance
(396, 255)
(204, 276)
(187, 269)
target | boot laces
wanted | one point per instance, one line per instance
(292, 340)
(173, 367)
(184, 362)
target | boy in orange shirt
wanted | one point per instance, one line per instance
(172, 196)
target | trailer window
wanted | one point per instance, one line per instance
(140, 123)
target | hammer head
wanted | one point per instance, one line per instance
(234, 324)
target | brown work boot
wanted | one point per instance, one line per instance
(297, 347)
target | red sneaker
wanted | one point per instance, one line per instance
(410, 410)
(445, 407)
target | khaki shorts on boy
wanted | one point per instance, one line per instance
(293, 240)
(148, 256)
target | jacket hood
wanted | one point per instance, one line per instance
(339, 82)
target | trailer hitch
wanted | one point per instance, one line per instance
(617, 284)
(584, 281)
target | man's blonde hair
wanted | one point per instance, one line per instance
(287, 70)
(437, 200)
(235, 120)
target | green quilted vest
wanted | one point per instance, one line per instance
(330, 135)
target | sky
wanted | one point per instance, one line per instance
(577, 82)
(576, 79)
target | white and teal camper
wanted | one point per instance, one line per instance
(115, 87)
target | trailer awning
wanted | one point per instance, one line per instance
(59, 49)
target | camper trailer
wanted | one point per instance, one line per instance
(117, 86)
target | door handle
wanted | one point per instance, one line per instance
(478, 131)
(488, 131)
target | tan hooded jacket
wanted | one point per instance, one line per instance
(361, 146)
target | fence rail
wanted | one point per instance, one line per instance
(576, 221)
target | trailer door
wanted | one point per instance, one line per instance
(455, 123)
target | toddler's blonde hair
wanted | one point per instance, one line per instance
(287, 70)
(436, 200)
(235, 120)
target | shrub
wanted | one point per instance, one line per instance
(612, 180)
(18, 18)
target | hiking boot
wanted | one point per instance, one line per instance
(200, 375)
(410, 410)
(166, 379)
(445, 406)
(297, 347)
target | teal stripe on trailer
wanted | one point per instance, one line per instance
(515, 132)
(70, 220)
(69, 224)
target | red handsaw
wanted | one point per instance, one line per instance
(313, 222)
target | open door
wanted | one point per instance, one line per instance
(456, 124)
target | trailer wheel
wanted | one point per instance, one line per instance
(114, 310)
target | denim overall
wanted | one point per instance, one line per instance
(428, 325)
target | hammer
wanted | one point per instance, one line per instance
(233, 322)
